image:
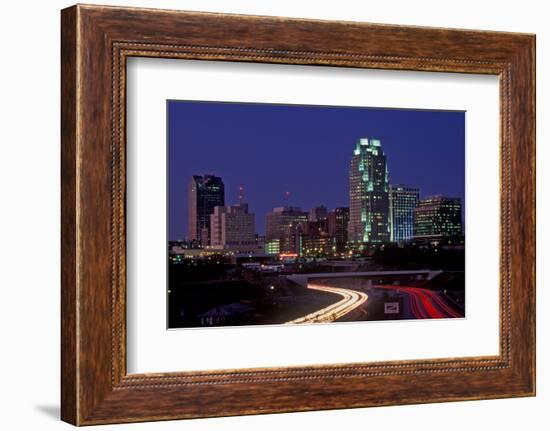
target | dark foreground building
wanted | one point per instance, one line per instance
(205, 193)
(338, 228)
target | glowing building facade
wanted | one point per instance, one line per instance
(437, 217)
(369, 204)
(403, 201)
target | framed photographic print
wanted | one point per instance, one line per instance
(228, 267)
(280, 207)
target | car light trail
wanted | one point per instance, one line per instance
(424, 303)
(351, 300)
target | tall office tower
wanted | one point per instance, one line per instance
(318, 213)
(338, 227)
(282, 225)
(437, 217)
(233, 227)
(369, 204)
(403, 201)
(205, 193)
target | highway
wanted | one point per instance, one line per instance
(424, 303)
(351, 300)
(421, 303)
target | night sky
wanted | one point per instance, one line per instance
(306, 150)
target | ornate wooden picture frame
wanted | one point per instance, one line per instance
(96, 41)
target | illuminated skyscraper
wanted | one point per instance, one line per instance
(403, 201)
(205, 193)
(368, 194)
(437, 217)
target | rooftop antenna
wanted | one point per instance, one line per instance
(241, 195)
(287, 198)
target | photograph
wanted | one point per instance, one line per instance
(292, 214)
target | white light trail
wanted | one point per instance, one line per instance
(351, 300)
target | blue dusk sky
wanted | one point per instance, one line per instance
(270, 149)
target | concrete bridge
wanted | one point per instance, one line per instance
(302, 279)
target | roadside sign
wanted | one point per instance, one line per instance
(391, 308)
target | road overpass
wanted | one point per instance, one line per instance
(302, 279)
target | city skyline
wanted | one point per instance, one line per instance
(378, 213)
(314, 167)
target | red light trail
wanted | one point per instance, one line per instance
(425, 303)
